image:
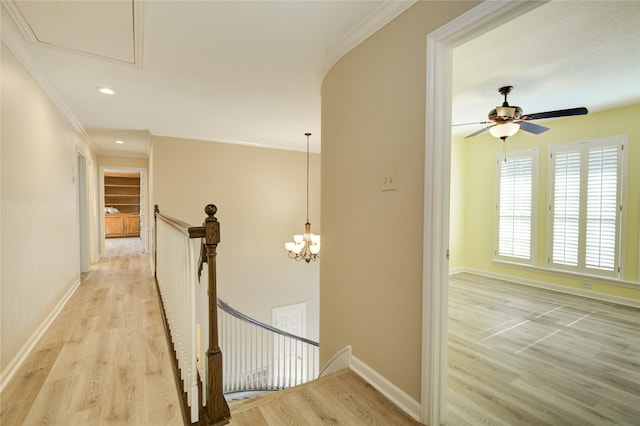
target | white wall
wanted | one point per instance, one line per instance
(40, 226)
(260, 195)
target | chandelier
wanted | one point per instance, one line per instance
(305, 246)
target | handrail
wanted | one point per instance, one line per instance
(259, 357)
(183, 227)
(177, 271)
(228, 309)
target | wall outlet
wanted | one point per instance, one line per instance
(585, 284)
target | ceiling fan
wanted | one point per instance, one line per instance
(506, 120)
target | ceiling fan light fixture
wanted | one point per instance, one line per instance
(504, 130)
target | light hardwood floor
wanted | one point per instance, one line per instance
(104, 360)
(524, 356)
(517, 356)
(341, 398)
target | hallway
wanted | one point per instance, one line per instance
(104, 360)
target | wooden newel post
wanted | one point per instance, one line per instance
(216, 410)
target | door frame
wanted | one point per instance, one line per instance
(83, 211)
(144, 216)
(439, 69)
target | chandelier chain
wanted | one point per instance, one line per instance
(305, 246)
(307, 135)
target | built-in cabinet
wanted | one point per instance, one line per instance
(122, 205)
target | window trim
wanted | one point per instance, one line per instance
(533, 153)
(583, 145)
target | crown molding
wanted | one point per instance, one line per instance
(12, 37)
(381, 16)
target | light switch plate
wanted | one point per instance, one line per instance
(389, 180)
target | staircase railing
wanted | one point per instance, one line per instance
(259, 357)
(189, 303)
(199, 326)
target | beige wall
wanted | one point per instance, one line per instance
(260, 195)
(116, 161)
(40, 227)
(373, 118)
(477, 190)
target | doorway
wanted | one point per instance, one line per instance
(123, 195)
(440, 44)
(83, 212)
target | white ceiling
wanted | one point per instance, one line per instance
(230, 71)
(563, 54)
(250, 71)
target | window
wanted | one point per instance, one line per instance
(585, 206)
(516, 173)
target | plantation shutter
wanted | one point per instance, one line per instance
(585, 205)
(566, 208)
(515, 207)
(602, 208)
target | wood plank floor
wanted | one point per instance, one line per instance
(341, 398)
(517, 356)
(524, 356)
(105, 360)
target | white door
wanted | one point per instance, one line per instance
(291, 318)
(289, 354)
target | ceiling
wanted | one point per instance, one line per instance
(250, 72)
(231, 71)
(563, 54)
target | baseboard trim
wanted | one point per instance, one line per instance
(454, 271)
(340, 361)
(17, 361)
(388, 389)
(555, 287)
(344, 359)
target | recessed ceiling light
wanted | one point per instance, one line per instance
(119, 142)
(106, 91)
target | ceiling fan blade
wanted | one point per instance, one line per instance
(467, 124)
(559, 113)
(536, 129)
(478, 132)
